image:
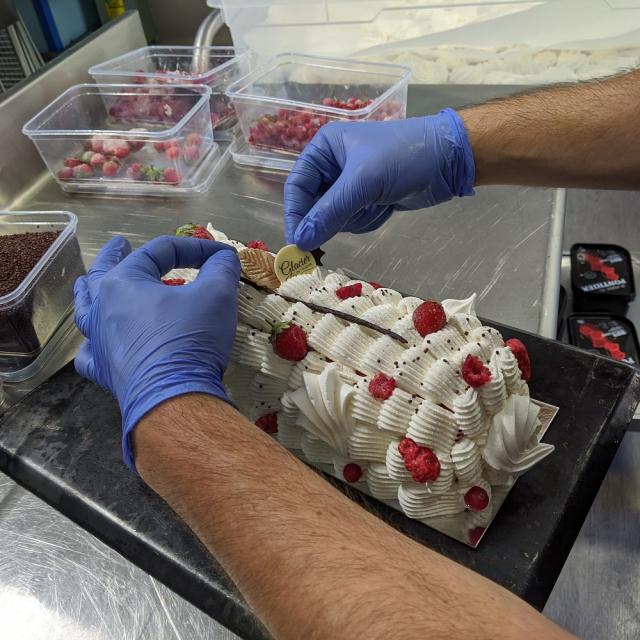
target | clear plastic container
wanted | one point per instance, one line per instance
(347, 27)
(216, 67)
(31, 313)
(554, 41)
(127, 139)
(245, 155)
(282, 104)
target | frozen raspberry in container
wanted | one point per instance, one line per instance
(607, 335)
(284, 103)
(215, 67)
(601, 278)
(40, 261)
(116, 139)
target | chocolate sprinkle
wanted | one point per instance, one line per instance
(19, 254)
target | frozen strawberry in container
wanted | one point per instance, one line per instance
(283, 104)
(215, 67)
(120, 139)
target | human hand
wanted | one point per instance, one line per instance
(148, 342)
(353, 175)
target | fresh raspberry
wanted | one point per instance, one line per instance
(72, 162)
(522, 356)
(429, 317)
(349, 291)
(173, 153)
(474, 373)
(381, 387)
(475, 535)
(110, 169)
(171, 175)
(425, 467)
(375, 285)
(477, 499)
(352, 472)
(268, 423)
(174, 282)
(258, 244)
(289, 341)
(408, 449)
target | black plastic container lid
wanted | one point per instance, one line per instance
(599, 270)
(607, 335)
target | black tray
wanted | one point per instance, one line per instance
(63, 443)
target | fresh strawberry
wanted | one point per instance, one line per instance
(191, 230)
(97, 160)
(66, 173)
(122, 149)
(72, 162)
(258, 244)
(191, 154)
(173, 153)
(429, 317)
(134, 171)
(96, 145)
(289, 341)
(349, 291)
(174, 282)
(86, 157)
(268, 423)
(522, 356)
(110, 169)
(171, 175)
(381, 387)
(474, 373)
(159, 146)
(82, 171)
(194, 139)
(135, 145)
(352, 472)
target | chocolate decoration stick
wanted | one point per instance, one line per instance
(338, 314)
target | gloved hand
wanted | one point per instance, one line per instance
(148, 342)
(353, 175)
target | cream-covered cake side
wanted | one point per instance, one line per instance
(421, 406)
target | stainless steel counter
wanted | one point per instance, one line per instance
(495, 243)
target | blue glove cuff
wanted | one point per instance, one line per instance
(145, 401)
(463, 164)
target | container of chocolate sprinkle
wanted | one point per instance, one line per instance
(39, 262)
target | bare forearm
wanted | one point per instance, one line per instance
(312, 563)
(583, 135)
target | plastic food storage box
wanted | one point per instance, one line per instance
(31, 313)
(216, 67)
(122, 139)
(346, 28)
(283, 104)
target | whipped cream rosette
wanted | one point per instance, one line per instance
(414, 402)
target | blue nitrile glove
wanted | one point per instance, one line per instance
(353, 175)
(148, 342)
